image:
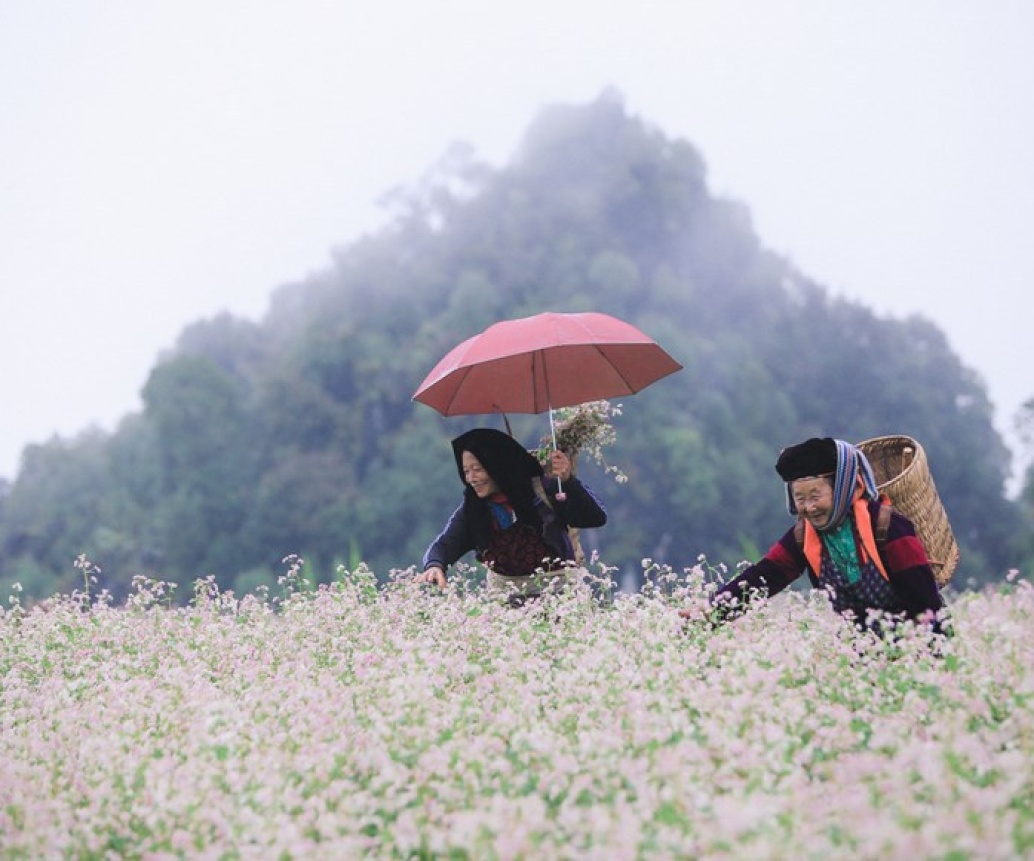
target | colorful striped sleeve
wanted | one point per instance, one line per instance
(908, 568)
(781, 565)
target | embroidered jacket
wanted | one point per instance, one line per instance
(903, 557)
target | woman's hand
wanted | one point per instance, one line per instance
(560, 465)
(433, 574)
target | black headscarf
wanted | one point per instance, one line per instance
(512, 468)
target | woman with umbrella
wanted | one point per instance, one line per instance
(512, 516)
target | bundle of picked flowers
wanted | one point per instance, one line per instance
(585, 428)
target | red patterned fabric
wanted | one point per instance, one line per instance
(783, 558)
(905, 552)
(518, 550)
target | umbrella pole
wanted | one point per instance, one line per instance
(552, 430)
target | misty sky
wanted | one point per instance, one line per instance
(162, 161)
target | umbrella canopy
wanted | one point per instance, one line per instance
(543, 362)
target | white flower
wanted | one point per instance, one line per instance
(584, 429)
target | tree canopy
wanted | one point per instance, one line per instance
(297, 434)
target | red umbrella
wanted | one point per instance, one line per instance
(542, 362)
(539, 363)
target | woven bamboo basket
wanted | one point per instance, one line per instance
(902, 472)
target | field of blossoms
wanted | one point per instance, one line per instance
(352, 721)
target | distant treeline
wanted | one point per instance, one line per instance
(298, 435)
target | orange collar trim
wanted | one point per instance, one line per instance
(813, 542)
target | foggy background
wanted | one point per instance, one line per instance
(163, 162)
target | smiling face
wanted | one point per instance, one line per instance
(477, 477)
(814, 499)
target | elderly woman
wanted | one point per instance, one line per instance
(513, 517)
(852, 543)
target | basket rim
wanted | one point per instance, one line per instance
(894, 437)
(920, 453)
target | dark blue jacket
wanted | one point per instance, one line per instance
(581, 509)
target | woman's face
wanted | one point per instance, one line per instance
(814, 499)
(476, 476)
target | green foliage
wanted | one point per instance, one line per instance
(1025, 427)
(297, 435)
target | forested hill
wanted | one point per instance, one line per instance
(298, 435)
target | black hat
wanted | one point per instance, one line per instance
(814, 457)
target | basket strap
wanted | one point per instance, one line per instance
(883, 524)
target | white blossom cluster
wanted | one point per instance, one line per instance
(357, 720)
(584, 429)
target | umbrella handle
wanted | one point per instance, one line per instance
(506, 421)
(559, 485)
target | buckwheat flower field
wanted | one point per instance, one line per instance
(351, 721)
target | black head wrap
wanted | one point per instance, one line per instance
(814, 457)
(511, 466)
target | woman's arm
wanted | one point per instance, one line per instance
(908, 568)
(780, 566)
(581, 508)
(451, 544)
